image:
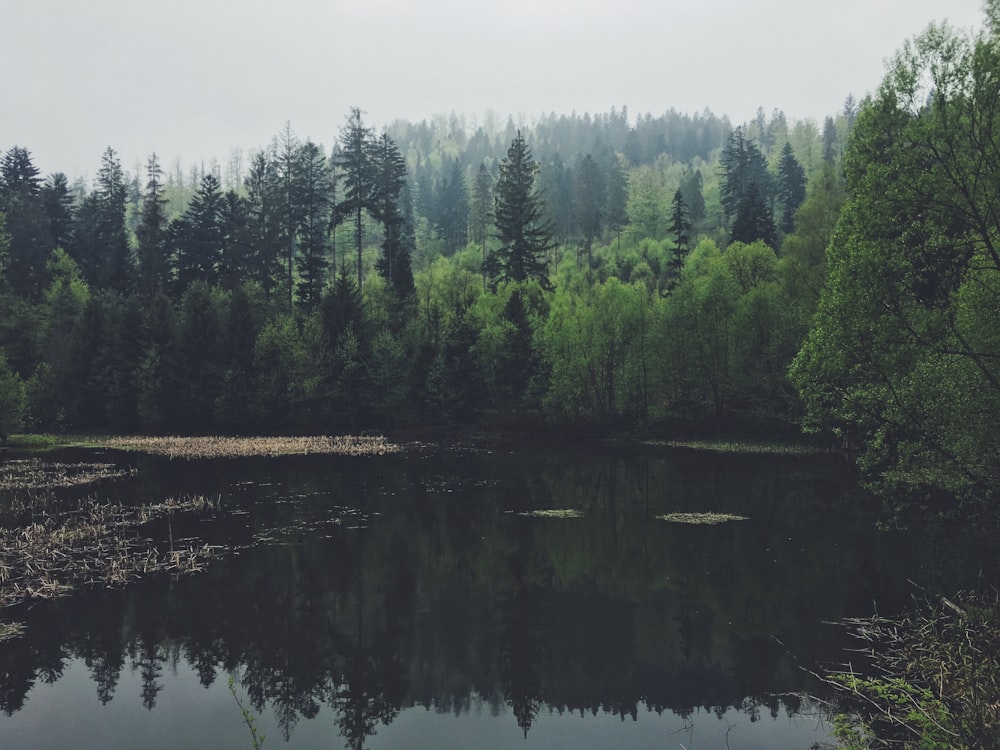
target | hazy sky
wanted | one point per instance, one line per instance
(197, 78)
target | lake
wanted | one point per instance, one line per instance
(509, 595)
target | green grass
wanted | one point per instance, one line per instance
(42, 442)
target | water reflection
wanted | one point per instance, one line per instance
(413, 581)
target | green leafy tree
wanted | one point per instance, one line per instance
(523, 234)
(13, 400)
(902, 359)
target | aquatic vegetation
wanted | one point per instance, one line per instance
(738, 447)
(701, 518)
(93, 544)
(33, 473)
(11, 630)
(231, 447)
(554, 513)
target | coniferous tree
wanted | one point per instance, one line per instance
(453, 209)
(523, 234)
(288, 172)
(198, 236)
(481, 211)
(791, 187)
(263, 228)
(354, 162)
(742, 165)
(110, 261)
(829, 140)
(58, 203)
(616, 214)
(680, 228)
(316, 192)
(589, 205)
(754, 220)
(152, 266)
(26, 224)
(389, 183)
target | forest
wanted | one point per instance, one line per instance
(665, 275)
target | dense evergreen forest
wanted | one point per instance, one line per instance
(669, 272)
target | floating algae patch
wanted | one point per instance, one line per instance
(704, 519)
(553, 513)
(230, 447)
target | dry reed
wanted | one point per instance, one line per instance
(231, 447)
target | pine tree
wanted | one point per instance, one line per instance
(263, 248)
(27, 227)
(524, 236)
(355, 164)
(389, 184)
(481, 211)
(316, 192)
(110, 264)
(742, 165)
(453, 210)
(589, 205)
(680, 228)
(198, 236)
(754, 220)
(151, 235)
(791, 187)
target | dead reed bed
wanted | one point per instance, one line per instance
(94, 544)
(232, 447)
(33, 473)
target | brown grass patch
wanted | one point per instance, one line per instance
(232, 447)
(94, 544)
(33, 473)
(703, 519)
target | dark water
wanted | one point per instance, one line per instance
(408, 601)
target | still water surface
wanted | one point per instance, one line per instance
(414, 601)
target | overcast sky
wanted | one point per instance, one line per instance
(195, 79)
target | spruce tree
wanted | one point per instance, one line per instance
(791, 187)
(151, 234)
(355, 164)
(481, 211)
(315, 195)
(680, 228)
(523, 234)
(389, 185)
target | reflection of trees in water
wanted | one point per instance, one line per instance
(447, 601)
(522, 653)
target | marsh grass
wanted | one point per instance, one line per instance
(738, 447)
(554, 513)
(34, 473)
(92, 544)
(233, 447)
(702, 519)
(11, 630)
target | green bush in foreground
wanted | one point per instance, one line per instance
(933, 680)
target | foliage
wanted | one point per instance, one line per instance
(902, 359)
(932, 682)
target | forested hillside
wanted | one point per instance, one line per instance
(584, 269)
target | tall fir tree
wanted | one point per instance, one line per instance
(316, 194)
(680, 228)
(355, 168)
(791, 187)
(589, 205)
(389, 185)
(523, 234)
(481, 211)
(152, 262)
(110, 264)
